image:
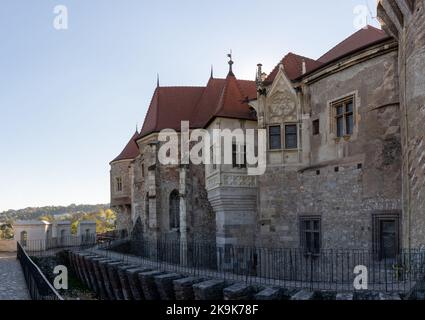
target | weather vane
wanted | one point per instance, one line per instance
(230, 62)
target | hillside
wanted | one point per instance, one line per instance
(35, 213)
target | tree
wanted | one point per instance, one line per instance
(6, 231)
(105, 220)
(48, 218)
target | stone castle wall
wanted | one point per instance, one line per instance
(405, 20)
(346, 181)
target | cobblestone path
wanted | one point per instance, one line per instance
(12, 281)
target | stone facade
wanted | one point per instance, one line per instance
(121, 198)
(143, 205)
(342, 181)
(405, 20)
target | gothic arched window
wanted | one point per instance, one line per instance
(174, 210)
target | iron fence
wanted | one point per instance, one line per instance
(49, 246)
(38, 286)
(329, 270)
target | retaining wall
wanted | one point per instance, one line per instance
(112, 279)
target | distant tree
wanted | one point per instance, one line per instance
(105, 220)
(6, 232)
(48, 218)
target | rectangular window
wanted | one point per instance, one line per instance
(239, 156)
(386, 236)
(344, 117)
(119, 184)
(311, 234)
(291, 136)
(275, 140)
(316, 127)
(212, 154)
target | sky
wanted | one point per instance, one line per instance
(71, 99)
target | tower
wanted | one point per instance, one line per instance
(405, 21)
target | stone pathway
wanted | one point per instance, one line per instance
(12, 281)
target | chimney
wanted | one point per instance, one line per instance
(304, 71)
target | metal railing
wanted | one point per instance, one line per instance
(330, 270)
(46, 247)
(38, 286)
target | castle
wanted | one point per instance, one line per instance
(345, 150)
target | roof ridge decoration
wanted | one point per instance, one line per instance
(230, 64)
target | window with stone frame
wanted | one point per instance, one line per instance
(174, 210)
(342, 112)
(212, 154)
(118, 181)
(275, 137)
(147, 210)
(386, 235)
(238, 156)
(316, 127)
(310, 232)
(291, 136)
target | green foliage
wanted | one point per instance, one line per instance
(47, 217)
(105, 220)
(6, 232)
(58, 212)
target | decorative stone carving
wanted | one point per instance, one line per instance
(239, 181)
(231, 180)
(213, 181)
(282, 107)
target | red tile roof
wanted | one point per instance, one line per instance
(131, 150)
(199, 105)
(362, 38)
(224, 98)
(169, 106)
(292, 63)
(293, 66)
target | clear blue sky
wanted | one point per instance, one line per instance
(70, 100)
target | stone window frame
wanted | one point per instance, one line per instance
(332, 116)
(381, 216)
(297, 127)
(302, 231)
(239, 153)
(281, 137)
(174, 216)
(315, 127)
(119, 184)
(212, 156)
(147, 210)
